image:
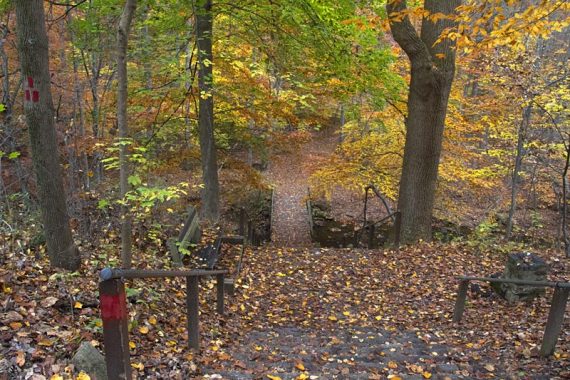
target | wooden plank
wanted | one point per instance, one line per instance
(555, 320)
(242, 221)
(233, 239)
(310, 214)
(110, 273)
(460, 301)
(192, 214)
(174, 252)
(545, 284)
(190, 233)
(192, 313)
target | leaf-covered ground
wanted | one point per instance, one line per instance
(297, 313)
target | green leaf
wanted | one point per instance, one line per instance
(134, 180)
(103, 203)
(13, 155)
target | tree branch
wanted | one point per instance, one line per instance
(404, 32)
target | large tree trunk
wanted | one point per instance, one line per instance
(38, 108)
(432, 72)
(122, 124)
(210, 193)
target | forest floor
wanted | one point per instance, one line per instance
(289, 174)
(310, 313)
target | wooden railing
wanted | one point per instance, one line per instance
(555, 315)
(113, 304)
(370, 229)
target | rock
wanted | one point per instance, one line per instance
(89, 359)
(524, 266)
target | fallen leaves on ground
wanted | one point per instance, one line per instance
(329, 298)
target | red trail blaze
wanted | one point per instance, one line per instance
(113, 307)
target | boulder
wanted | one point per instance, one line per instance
(89, 360)
(524, 266)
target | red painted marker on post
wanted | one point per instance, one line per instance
(113, 307)
(31, 94)
(113, 304)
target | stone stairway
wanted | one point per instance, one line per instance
(297, 353)
(339, 314)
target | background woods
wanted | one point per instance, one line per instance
(280, 71)
(439, 124)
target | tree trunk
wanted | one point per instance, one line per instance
(564, 210)
(432, 72)
(517, 169)
(122, 124)
(38, 108)
(210, 193)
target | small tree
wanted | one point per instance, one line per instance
(38, 108)
(210, 193)
(122, 121)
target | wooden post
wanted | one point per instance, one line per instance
(397, 228)
(250, 232)
(555, 319)
(220, 295)
(460, 302)
(242, 222)
(113, 304)
(192, 305)
(371, 236)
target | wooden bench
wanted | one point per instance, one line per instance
(207, 256)
(555, 315)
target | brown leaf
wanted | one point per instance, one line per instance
(20, 358)
(48, 302)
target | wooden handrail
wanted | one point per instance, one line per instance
(555, 315)
(113, 273)
(549, 284)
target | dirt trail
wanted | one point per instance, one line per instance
(290, 173)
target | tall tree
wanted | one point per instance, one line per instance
(210, 193)
(38, 107)
(122, 121)
(432, 72)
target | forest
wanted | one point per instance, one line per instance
(284, 189)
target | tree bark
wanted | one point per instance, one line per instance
(432, 73)
(39, 111)
(210, 193)
(517, 168)
(122, 124)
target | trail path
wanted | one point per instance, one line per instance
(290, 173)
